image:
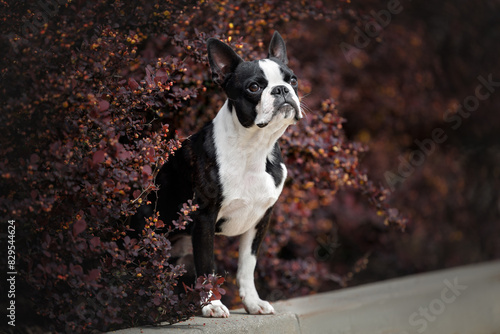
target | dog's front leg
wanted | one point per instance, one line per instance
(203, 252)
(249, 247)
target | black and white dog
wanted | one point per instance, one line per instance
(233, 168)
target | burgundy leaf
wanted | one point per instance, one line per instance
(98, 157)
(103, 105)
(79, 226)
(133, 84)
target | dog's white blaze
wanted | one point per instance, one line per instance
(272, 72)
(248, 190)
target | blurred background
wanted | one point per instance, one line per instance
(412, 77)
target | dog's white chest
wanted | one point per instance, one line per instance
(247, 196)
(248, 190)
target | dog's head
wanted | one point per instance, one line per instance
(261, 92)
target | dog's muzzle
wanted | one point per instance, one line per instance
(283, 104)
(288, 108)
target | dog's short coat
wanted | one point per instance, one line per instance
(233, 168)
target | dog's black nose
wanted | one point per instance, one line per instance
(280, 90)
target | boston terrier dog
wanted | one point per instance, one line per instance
(233, 168)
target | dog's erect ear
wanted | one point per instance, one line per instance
(277, 48)
(223, 60)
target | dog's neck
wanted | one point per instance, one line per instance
(253, 144)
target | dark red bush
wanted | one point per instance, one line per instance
(97, 95)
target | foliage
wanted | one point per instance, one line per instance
(97, 95)
(81, 145)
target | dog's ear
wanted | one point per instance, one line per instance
(223, 60)
(277, 48)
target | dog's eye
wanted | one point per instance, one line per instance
(254, 88)
(293, 82)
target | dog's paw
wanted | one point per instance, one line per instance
(215, 310)
(257, 306)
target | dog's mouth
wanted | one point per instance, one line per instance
(289, 109)
(286, 108)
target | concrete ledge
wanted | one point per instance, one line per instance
(464, 300)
